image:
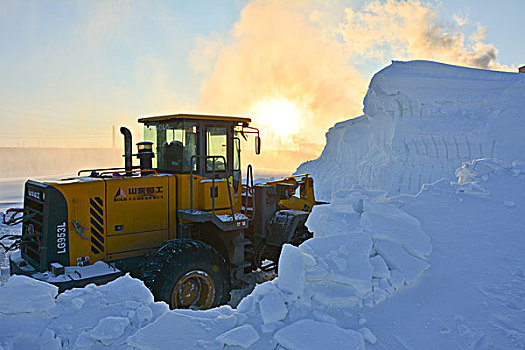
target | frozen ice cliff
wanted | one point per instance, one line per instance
(421, 121)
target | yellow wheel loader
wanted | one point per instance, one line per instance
(182, 221)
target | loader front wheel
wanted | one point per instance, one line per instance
(195, 288)
(186, 274)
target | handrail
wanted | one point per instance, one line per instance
(132, 172)
(102, 169)
(213, 158)
(249, 176)
(249, 188)
(105, 171)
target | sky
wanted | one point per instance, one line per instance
(73, 70)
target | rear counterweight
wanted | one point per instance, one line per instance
(45, 235)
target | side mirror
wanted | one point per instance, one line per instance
(257, 145)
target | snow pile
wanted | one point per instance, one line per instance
(421, 121)
(355, 259)
(32, 316)
(364, 247)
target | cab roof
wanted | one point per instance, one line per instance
(162, 118)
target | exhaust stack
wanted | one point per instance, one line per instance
(145, 155)
(128, 162)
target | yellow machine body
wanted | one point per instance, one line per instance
(123, 217)
(302, 200)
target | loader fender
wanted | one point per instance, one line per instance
(283, 225)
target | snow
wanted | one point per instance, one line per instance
(345, 257)
(472, 296)
(81, 318)
(228, 217)
(26, 295)
(304, 335)
(368, 336)
(369, 258)
(106, 330)
(186, 330)
(421, 121)
(397, 258)
(439, 266)
(272, 307)
(243, 336)
(380, 269)
(393, 224)
(291, 270)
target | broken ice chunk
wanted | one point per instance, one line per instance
(368, 335)
(109, 328)
(243, 336)
(380, 267)
(327, 220)
(291, 270)
(332, 294)
(272, 307)
(389, 223)
(397, 258)
(22, 294)
(309, 334)
(323, 317)
(397, 279)
(350, 268)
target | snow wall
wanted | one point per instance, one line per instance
(421, 121)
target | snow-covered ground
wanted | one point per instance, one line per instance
(440, 269)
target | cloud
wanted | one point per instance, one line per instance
(413, 30)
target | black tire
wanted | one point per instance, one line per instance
(265, 251)
(301, 234)
(186, 274)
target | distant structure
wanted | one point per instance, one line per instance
(114, 144)
(521, 69)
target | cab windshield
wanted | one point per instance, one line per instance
(175, 144)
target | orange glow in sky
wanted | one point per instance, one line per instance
(277, 115)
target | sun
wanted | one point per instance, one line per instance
(278, 115)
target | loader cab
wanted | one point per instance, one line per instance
(203, 145)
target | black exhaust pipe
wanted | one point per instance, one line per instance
(128, 162)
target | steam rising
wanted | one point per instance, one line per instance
(290, 50)
(276, 53)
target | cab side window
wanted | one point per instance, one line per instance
(216, 145)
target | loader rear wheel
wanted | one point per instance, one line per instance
(186, 274)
